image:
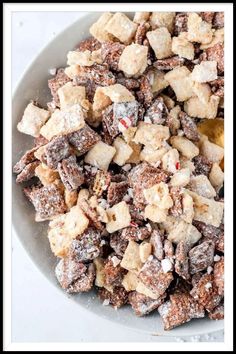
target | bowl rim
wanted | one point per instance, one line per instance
(15, 92)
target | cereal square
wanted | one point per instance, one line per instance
(28, 172)
(151, 134)
(48, 201)
(143, 305)
(70, 172)
(158, 195)
(182, 231)
(131, 259)
(211, 151)
(205, 71)
(162, 19)
(27, 158)
(45, 174)
(63, 122)
(118, 216)
(184, 146)
(160, 41)
(87, 247)
(65, 228)
(56, 150)
(205, 292)
(219, 275)
(123, 151)
(33, 119)
(133, 60)
(100, 155)
(182, 47)
(84, 139)
(198, 30)
(180, 309)
(140, 17)
(98, 29)
(180, 81)
(70, 95)
(195, 107)
(207, 210)
(201, 185)
(74, 276)
(121, 27)
(201, 256)
(154, 278)
(117, 298)
(116, 192)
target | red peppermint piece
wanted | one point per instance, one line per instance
(124, 123)
(133, 224)
(177, 165)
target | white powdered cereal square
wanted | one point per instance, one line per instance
(195, 107)
(121, 27)
(133, 60)
(182, 47)
(63, 122)
(185, 146)
(100, 155)
(70, 95)
(98, 30)
(64, 228)
(33, 119)
(205, 71)
(207, 210)
(123, 151)
(198, 30)
(160, 41)
(131, 259)
(162, 19)
(180, 81)
(118, 217)
(140, 17)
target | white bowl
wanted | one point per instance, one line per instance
(32, 235)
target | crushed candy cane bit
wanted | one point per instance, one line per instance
(124, 124)
(106, 302)
(177, 165)
(208, 286)
(133, 224)
(52, 71)
(216, 258)
(166, 265)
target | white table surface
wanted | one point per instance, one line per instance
(39, 312)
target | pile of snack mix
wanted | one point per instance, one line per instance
(127, 164)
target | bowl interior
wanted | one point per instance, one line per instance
(33, 236)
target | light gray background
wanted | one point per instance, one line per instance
(39, 312)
